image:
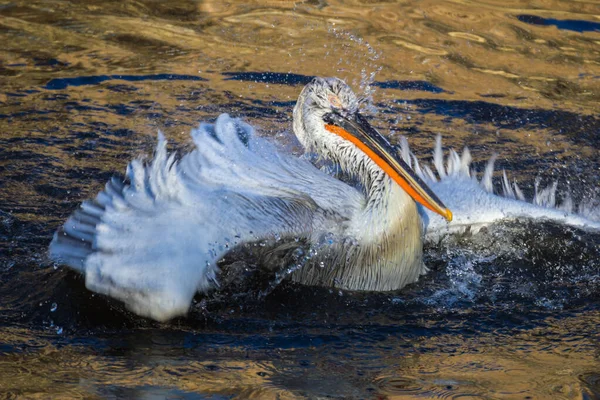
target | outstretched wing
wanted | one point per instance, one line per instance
(474, 203)
(153, 241)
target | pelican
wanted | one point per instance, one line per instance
(154, 240)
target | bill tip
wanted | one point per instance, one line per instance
(448, 215)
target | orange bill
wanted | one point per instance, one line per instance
(357, 130)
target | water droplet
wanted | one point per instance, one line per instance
(54, 307)
(298, 253)
(59, 330)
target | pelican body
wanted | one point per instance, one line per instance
(379, 243)
(154, 240)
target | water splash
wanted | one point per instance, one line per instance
(464, 283)
(300, 257)
(369, 62)
(512, 265)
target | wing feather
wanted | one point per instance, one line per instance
(474, 203)
(154, 242)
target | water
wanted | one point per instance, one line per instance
(510, 313)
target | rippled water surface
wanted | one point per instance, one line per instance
(510, 313)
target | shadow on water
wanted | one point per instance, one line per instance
(63, 83)
(510, 276)
(579, 128)
(568, 24)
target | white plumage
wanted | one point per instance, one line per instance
(154, 241)
(475, 205)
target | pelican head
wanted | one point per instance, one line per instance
(327, 121)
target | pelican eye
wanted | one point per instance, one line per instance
(334, 101)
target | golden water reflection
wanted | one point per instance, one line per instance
(525, 364)
(468, 48)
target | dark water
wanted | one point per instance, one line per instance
(510, 313)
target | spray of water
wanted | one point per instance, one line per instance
(355, 53)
